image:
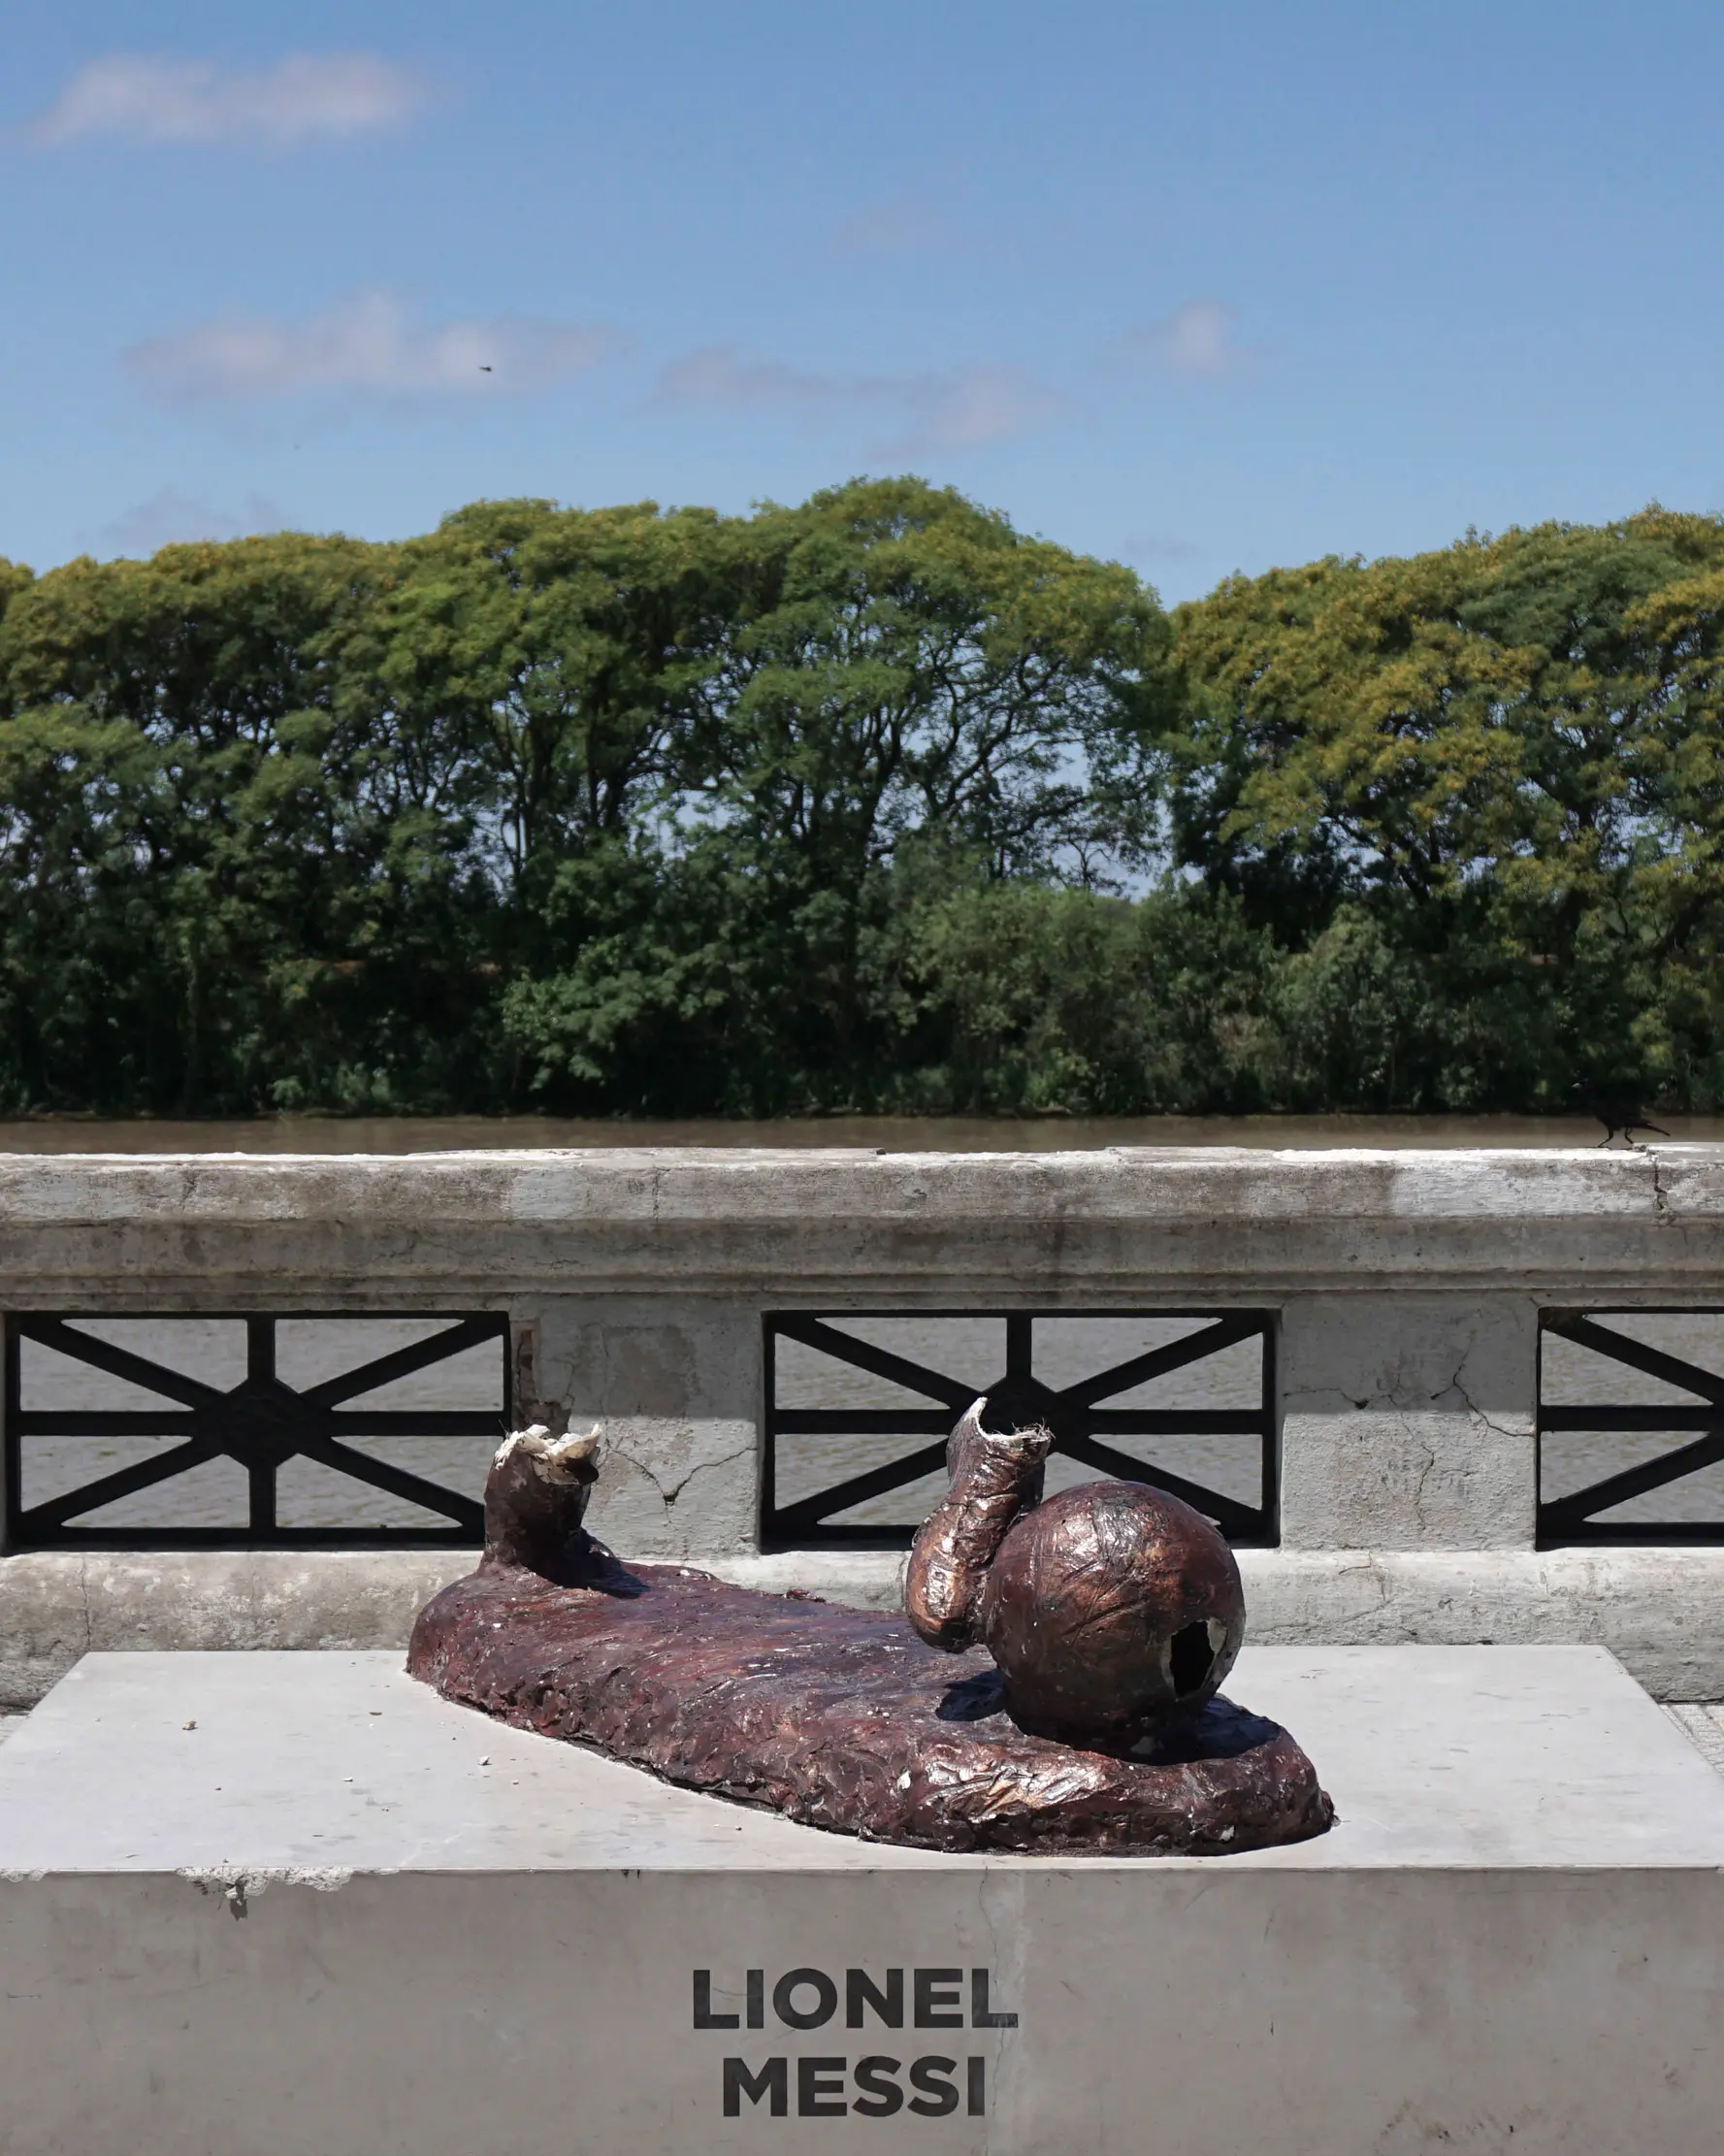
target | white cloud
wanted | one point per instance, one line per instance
(364, 345)
(959, 407)
(1196, 343)
(170, 517)
(902, 226)
(306, 97)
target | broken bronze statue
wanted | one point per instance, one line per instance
(1057, 1691)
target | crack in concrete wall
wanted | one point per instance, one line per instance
(1409, 1422)
(669, 1495)
(676, 1396)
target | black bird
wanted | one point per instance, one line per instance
(483, 368)
(1621, 1111)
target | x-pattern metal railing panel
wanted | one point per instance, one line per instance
(1574, 1516)
(1078, 1415)
(262, 1423)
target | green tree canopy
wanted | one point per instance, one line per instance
(867, 802)
(597, 807)
(884, 671)
(1503, 753)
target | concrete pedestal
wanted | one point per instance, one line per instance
(278, 1905)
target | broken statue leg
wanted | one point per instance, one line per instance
(996, 1476)
(535, 1496)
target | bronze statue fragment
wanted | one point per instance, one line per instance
(1111, 1609)
(1088, 1721)
(993, 1476)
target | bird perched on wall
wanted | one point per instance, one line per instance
(1621, 1111)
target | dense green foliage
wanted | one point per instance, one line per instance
(872, 802)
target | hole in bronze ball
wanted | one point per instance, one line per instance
(1191, 1658)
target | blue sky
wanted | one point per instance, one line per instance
(1201, 288)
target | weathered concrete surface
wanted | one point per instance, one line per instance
(1552, 1758)
(371, 1231)
(55, 1606)
(677, 1388)
(334, 1916)
(1660, 1610)
(1703, 1727)
(1409, 1422)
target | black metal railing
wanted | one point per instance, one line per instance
(1079, 1413)
(262, 1422)
(1573, 1516)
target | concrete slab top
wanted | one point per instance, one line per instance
(316, 1765)
(361, 1231)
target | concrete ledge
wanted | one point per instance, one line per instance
(1660, 1610)
(371, 1231)
(864, 1579)
(56, 1606)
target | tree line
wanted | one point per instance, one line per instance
(871, 804)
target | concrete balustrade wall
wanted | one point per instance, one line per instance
(1409, 1287)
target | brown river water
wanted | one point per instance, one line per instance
(212, 1348)
(882, 1133)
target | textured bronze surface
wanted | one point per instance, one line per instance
(845, 1720)
(993, 1479)
(1111, 1608)
(842, 1718)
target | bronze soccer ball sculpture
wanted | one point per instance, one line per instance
(1112, 1609)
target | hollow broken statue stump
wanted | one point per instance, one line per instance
(1055, 1689)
